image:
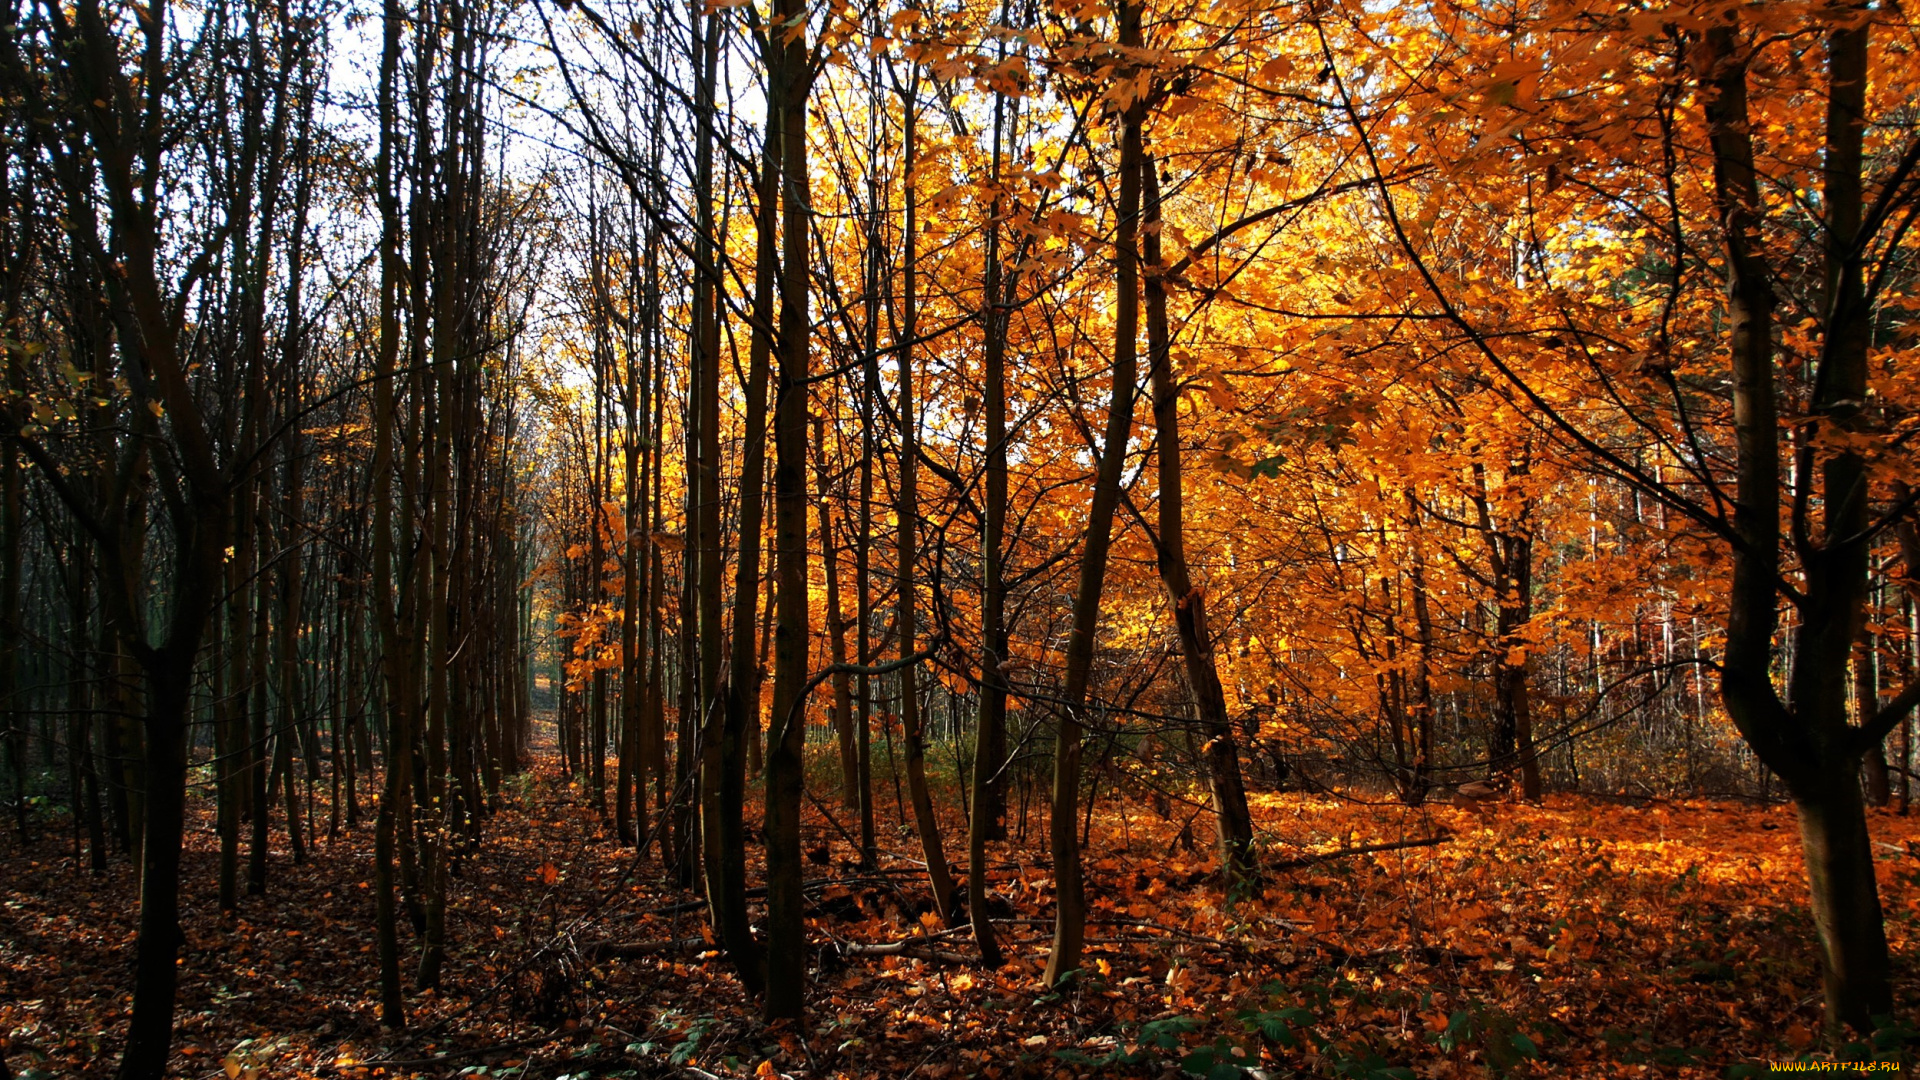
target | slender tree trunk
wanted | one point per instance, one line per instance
(1070, 915)
(254, 693)
(988, 795)
(633, 657)
(1866, 696)
(11, 530)
(1414, 790)
(722, 760)
(381, 584)
(747, 652)
(433, 833)
(743, 697)
(863, 509)
(293, 699)
(788, 79)
(1222, 755)
(836, 625)
(85, 777)
(230, 739)
(907, 514)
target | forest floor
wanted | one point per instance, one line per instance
(1577, 938)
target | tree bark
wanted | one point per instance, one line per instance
(723, 754)
(906, 513)
(1804, 738)
(786, 777)
(381, 585)
(1233, 819)
(836, 626)
(155, 968)
(1070, 915)
(988, 800)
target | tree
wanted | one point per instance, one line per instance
(1070, 918)
(1763, 405)
(789, 81)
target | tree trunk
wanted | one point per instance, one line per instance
(1234, 821)
(1878, 780)
(722, 753)
(988, 795)
(14, 732)
(633, 656)
(872, 270)
(1805, 738)
(381, 584)
(1413, 787)
(155, 966)
(836, 626)
(788, 81)
(254, 692)
(906, 514)
(743, 717)
(1846, 899)
(1070, 915)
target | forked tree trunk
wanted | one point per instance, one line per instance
(1805, 737)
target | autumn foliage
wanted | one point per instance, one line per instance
(775, 538)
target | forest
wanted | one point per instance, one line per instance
(550, 539)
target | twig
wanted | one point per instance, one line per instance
(757, 891)
(623, 949)
(1363, 849)
(1147, 924)
(914, 947)
(438, 1059)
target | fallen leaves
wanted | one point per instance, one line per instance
(1570, 939)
